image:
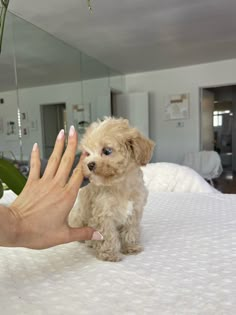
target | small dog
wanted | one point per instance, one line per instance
(113, 201)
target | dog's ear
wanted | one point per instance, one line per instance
(140, 146)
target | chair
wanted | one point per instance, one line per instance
(206, 163)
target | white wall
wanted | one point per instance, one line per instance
(97, 94)
(117, 83)
(172, 141)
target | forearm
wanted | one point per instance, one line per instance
(7, 227)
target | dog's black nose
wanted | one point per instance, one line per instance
(91, 166)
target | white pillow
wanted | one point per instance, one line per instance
(174, 177)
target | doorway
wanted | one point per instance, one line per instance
(218, 123)
(53, 119)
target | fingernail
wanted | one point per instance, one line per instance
(61, 134)
(97, 236)
(35, 147)
(72, 131)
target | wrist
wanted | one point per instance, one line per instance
(9, 224)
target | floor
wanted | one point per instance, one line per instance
(226, 183)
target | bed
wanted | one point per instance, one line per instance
(188, 266)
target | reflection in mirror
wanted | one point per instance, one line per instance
(49, 84)
(53, 86)
(10, 146)
(3, 12)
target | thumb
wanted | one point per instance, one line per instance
(83, 234)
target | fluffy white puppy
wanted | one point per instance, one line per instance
(113, 201)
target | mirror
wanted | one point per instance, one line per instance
(46, 85)
(10, 145)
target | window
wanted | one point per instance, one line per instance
(218, 117)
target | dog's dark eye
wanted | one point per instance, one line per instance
(85, 153)
(107, 151)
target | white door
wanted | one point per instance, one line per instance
(134, 107)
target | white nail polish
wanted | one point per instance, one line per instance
(61, 134)
(35, 146)
(97, 236)
(72, 131)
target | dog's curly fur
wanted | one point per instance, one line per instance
(113, 201)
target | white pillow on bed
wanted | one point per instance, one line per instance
(174, 177)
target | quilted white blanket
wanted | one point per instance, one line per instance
(188, 267)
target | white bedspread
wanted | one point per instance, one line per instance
(188, 267)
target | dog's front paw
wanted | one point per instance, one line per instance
(109, 256)
(132, 249)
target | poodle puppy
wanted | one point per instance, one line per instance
(113, 201)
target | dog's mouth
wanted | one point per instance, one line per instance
(95, 174)
(89, 175)
(102, 177)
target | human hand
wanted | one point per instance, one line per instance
(42, 208)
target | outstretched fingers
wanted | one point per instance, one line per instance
(55, 158)
(67, 160)
(34, 163)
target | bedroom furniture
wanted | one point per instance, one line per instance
(188, 266)
(164, 177)
(206, 163)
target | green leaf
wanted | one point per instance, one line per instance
(1, 189)
(11, 176)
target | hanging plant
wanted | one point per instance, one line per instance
(2, 19)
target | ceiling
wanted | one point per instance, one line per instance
(137, 35)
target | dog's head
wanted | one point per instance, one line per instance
(112, 149)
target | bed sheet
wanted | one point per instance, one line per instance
(8, 197)
(188, 267)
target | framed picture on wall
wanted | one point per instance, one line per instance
(177, 106)
(11, 130)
